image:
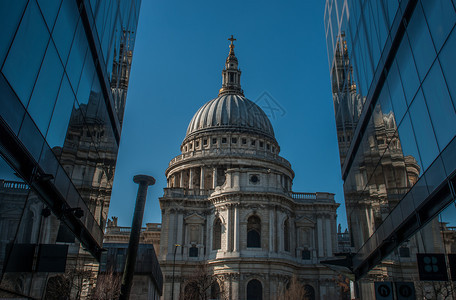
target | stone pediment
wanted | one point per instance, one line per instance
(194, 219)
(304, 222)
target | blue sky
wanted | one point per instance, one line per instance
(179, 55)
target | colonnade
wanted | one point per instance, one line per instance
(178, 178)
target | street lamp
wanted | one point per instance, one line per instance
(174, 266)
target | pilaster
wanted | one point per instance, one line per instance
(320, 236)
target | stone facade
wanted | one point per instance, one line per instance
(121, 235)
(229, 205)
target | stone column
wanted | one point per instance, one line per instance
(186, 242)
(274, 237)
(328, 237)
(236, 229)
(214, 178)
(190, 179)
(177, 286)
(279, 233)
(201, 241)
(180, 227)
(313, 244)
(320, 236)
(229, 230)
(235, 180)
(294, 237)
(202, 179)
(181, 179)
(271, 230)
(235, 287)
(323, 290)
(210, 223)
(170, 233)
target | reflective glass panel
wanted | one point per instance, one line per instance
(424, 133)
(448, 61)
(396, 92)
(420, 41)
(407, 70)
(115, 48)
(48, 161)
(21, 68)
(380, 25)
(46, 88)
(407, 141)
(13, 198)
(366, 58)
(77, 56)
(10, 15)
(109, 27)
(441, 17)
(94, 4)
(86, 80)
(100, 15)
(49, 8)
(435, 174)
(387, 131)
(31, 137)
(449, 157)
(440, 106)
(390, 8)
(65, 27)
(61, 116)
(12, 109)
(373, 33)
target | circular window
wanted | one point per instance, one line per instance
(254, 179)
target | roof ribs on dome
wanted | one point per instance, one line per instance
(230, 112)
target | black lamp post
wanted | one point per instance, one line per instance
(132, 251)
(174, 266)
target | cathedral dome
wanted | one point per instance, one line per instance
(230, 112)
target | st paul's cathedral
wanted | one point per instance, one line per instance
(229, 209)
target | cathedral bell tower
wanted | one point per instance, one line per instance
(231, 75)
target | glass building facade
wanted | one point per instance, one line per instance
(393, 74)
(64, 70)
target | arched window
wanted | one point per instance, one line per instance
(309, 292)
(254, 290)
(217, 235)
(286, 235)
(254, 232)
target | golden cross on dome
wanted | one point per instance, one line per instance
(232, 39)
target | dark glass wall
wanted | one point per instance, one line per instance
(64, 71)
(394, 99)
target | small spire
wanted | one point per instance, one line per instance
(231, 75)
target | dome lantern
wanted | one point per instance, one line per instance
(231, 75)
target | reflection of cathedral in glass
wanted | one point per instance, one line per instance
(372, 191)
(391, 64)
(347, 102)
(229, 205)
(64, 99)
